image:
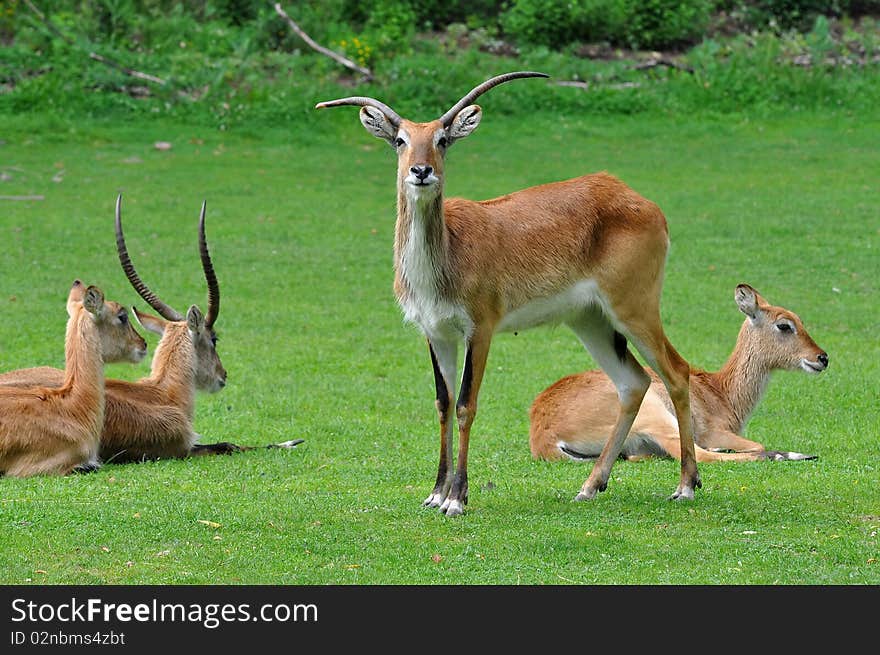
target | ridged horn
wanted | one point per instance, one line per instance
(477, 91)
(167, 312)
(363, 101)
(210, 277)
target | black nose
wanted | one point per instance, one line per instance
(823, 359)
(421, 172)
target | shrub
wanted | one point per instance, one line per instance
(633, 23)
(556, 24)
(662, 24)
(795, 14)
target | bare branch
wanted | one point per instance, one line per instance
(348, 63)
(128, 71)
(93, 55)
(574, 83)
(662, 61)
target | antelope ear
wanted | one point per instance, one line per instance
(747, 299)
(195, 320)
(465, 122)
(93, 301)
(152, 323)
(77, 290)
(377, 124)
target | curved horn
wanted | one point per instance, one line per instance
(477, 91)
(142, 289)
(362, 101)
(210, 277)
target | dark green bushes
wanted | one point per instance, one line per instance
(237, 64)
(629, 23)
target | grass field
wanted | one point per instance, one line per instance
(301, 226)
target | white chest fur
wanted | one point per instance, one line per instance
(421, 270)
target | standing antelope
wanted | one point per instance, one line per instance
(589, 252)
(120, 342)
(54, 431)
(574, 416)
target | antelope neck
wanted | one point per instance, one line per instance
(84, 364)
(174, 360)
(743, 379)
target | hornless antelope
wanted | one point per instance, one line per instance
(120, 342)
(574, 416)
(53, 431)
(589, 252)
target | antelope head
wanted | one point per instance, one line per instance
(777, 335)
(421, 147)
(120, 342)
(209, 372)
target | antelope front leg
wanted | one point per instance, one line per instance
(724, 440)
(443, 355)
(719, 440)
(466, 411)
(219, 448)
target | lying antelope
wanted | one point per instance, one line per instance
(153, 417)
(120, 342)
(574, 416)
(56, 430)
(588, 252)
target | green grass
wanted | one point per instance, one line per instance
(301, 225)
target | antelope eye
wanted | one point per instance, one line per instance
(123, 318)
(441, 142)
(783, 327)
(398, 142)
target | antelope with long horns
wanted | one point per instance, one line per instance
(56, 430)
(153, 417)
(588, 252)
(574, 417)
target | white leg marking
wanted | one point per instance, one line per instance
(293, 443)
(434, 500)
(683, 493)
